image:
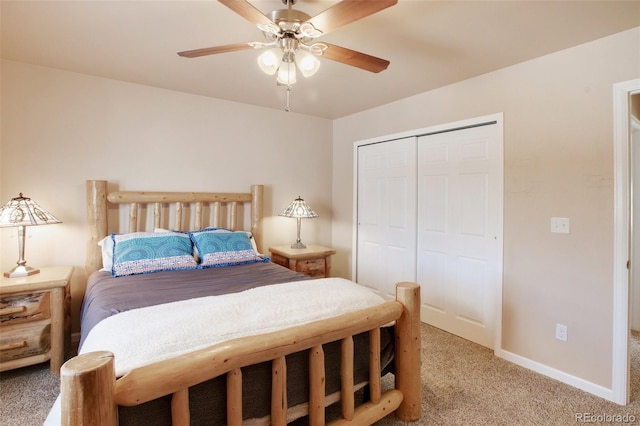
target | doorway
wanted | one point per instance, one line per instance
(623, 237)
(634, 271)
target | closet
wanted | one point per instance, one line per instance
(429, 209)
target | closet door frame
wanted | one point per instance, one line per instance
(498, 118)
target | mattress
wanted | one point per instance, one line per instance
(106, 295)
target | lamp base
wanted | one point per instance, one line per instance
(21, 271)
(298, 245)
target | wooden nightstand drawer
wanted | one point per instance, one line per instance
(312, 267)
(24, 340)
(19, 308)
(35, 318)
(314, 260)
(280, 260)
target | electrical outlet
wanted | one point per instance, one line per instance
(560, 225)
(561, 332)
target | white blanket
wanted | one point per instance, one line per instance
(146, 335)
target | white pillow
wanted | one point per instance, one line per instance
(106, 244)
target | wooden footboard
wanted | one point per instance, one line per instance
(90, 390)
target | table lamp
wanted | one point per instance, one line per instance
(298, 209)
(21, 211)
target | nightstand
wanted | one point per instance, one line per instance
(35, 318)
(314, 260)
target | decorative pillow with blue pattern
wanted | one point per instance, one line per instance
(217, 249)
(145, 252)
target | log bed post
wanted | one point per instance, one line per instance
(407, 352)
(87, 389)
(256, 214)
(96, 223)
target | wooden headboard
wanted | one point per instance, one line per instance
(189, 211)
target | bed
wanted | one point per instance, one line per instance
(233, 339)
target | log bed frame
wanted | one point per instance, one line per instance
(90, 390)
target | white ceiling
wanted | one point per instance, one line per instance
(429, 43)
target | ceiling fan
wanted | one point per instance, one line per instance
(290, 36)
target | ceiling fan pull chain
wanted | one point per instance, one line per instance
(287, 108)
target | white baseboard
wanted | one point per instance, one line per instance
(561, 376)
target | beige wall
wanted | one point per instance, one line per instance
(558, 152)
(61, 128)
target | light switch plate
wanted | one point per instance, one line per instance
(560, 225)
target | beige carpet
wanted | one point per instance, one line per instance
(465, 384)
(462, 384)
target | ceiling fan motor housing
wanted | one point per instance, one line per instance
(289, 20)
(288, 43)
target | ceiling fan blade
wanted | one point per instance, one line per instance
(214, 50)
(355, 59)
(346, 12)
(247, 11)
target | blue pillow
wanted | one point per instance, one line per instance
(217, 249)
(145, 252)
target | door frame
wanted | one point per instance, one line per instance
(498, 118)
(621, 238)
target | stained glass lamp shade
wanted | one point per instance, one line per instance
(300, 210)
(20, 212)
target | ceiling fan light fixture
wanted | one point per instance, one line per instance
(307, 63)
(270, 60)
(287, 73)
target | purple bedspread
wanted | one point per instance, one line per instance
(106, 295)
